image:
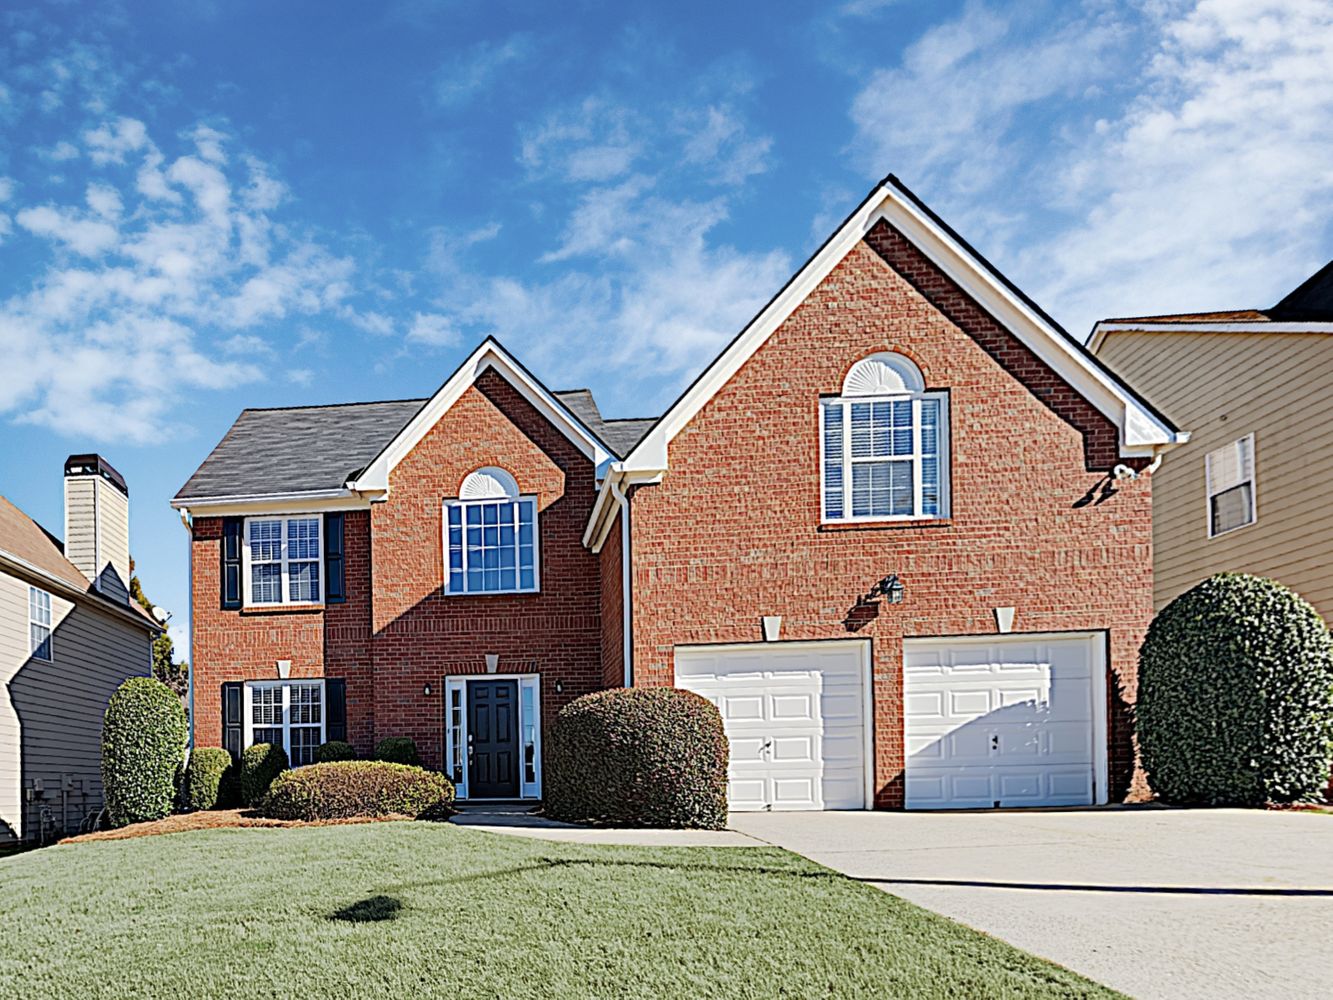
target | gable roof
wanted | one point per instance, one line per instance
(1312, 299)
(311, 452)
(1143, 429)
(26, 544)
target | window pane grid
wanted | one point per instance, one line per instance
(491, 546)
(284, 560)
(290, 716)
(882, 458)
(39, 624)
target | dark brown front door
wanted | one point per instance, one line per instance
(492, 736)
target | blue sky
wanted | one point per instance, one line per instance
(206, 206)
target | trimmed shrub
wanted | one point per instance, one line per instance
(638, 757)
(260, 764)
(1235, 700)
(203, 778)
(327, 753)
(350, 788)
(398, 750)
(143, 740)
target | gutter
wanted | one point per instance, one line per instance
(189, 602)
(69, 590)
(338, 493)
(626, 596)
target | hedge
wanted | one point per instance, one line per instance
(205, 774)
(260, 764)
(638, 757)
(398, 750)
(143, 740)
(1235, 699)
(346, 789)
(327, 753)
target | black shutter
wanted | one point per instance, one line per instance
(231, 563)
(335, 581)
(232, 731)
(335, 709)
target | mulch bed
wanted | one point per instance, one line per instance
(214, 819)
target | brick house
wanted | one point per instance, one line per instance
(900, 531)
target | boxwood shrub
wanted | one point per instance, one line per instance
(350, 788)
(205, 777)
(398, 750)
(638, 757)
(1235, 701)
(143, 741)
(333, 750)
(260, 764)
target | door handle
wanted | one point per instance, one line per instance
(994, 741)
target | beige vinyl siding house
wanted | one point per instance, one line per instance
(1264, 378)
(69, 636)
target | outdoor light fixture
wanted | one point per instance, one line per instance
(559, 687)
(890, 588)
(426, 690)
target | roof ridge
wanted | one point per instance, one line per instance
(331, 406)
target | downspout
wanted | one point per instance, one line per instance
(189, 640)
(627, 655)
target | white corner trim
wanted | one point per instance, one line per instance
(1141, 432)
(490, 354)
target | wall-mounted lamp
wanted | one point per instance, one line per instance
(559, 687)
(426, 691)
(890, 588)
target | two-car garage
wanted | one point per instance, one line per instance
(991, 721)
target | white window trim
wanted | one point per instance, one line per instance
(943, 452)
(248, 600)
(1254, 489)
(247, 710)
(48, 625)
(536, 546)
(458, 683)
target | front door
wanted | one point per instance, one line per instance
(492, 726)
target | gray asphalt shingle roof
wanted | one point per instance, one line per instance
(302, 448)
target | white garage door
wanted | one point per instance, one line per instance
(795, 714)
(1002, 722)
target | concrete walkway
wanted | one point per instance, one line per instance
(518, 821)
(1153, 902)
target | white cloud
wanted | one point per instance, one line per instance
(89, 237)
(463, 78)
(6, 188)
(719, 141)
(433, 330)
(300, 376)
(113, 141)
(61, 152)
(594, 141)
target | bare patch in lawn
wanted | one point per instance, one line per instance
(215, 819)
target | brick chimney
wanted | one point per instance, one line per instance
(97, 524)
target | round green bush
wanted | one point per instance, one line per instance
(260, 764)
(143, 740)
(1235, 701)
(398, 750)
(652, 757)
(203, 779)
(350, 788)
(327, 753)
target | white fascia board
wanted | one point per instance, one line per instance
(1100, 331)
(1139, 427)
(375, 477)
(276, 503)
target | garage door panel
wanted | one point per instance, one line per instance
(1006, 721)
(796, 718)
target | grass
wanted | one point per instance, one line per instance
(434, 910)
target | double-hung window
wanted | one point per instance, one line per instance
(1229, 471)
(490, 537)
(289, 714)
(884, 445)
(283, 559)
(39, 624)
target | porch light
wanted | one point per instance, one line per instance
(426, 691)
(890, 588)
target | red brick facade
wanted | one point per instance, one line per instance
(733, 531)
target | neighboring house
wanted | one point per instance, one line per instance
(1256, 388)
(69, 636)
(901, 457)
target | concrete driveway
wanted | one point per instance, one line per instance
(1153, 902)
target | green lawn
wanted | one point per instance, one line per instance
(432, 910)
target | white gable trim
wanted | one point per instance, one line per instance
(1142, 433)
(489, 355)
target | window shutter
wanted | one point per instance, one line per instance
(233, 732)
(335, 709)
(231, 563)
(335, 582)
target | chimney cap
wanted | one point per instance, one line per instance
(95, 465)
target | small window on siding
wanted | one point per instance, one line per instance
(39, 623)
(1229, 472)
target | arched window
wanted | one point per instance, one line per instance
(490, 536)
(884, 444)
